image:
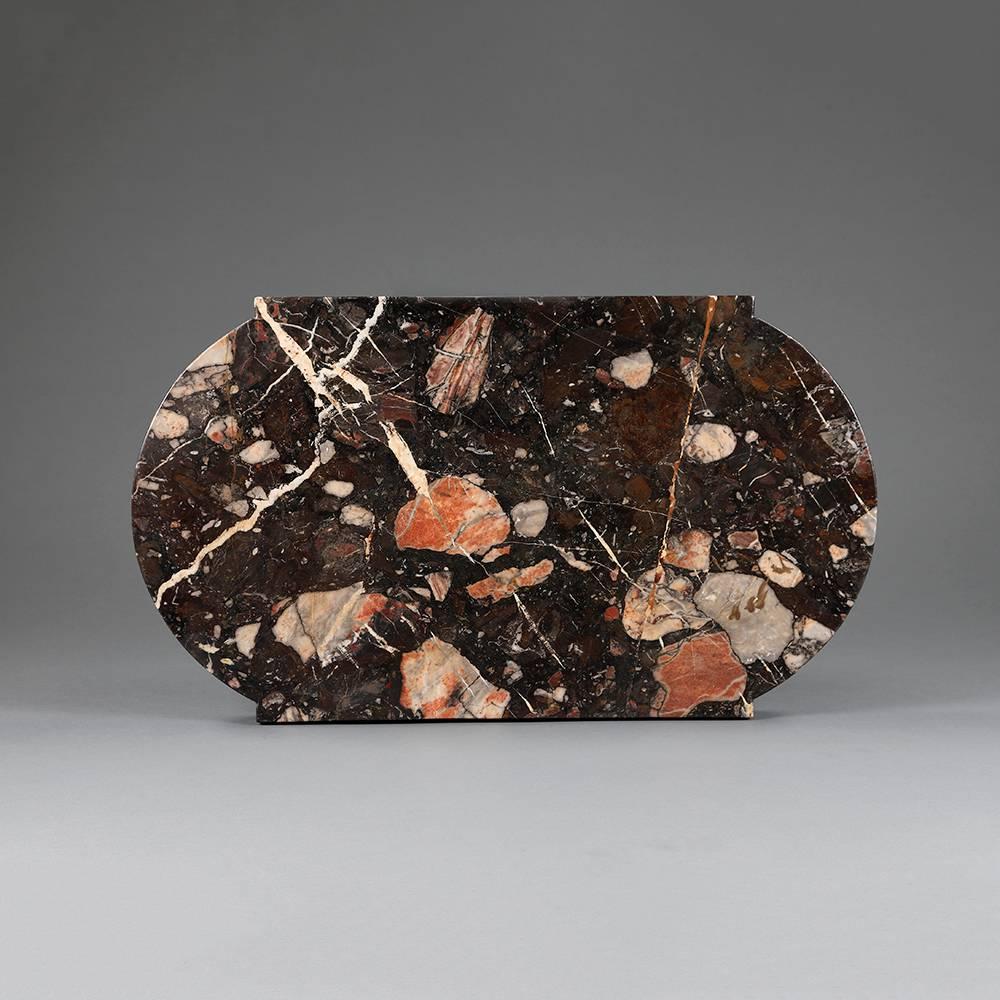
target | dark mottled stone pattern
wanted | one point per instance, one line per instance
(268, 496)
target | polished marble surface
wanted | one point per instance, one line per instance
(418, 508)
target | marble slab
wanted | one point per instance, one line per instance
(477, 508)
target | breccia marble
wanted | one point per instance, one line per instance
(478, 508)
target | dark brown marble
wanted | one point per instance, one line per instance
(404, 508)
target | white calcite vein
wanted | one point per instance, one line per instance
(364, 333)
(301, 360)
(694, 379)
(822, 417)
(296, 355)
(398, 446)
(533, 625)
(604, 545)
(246, 524)
(148, 477)
(541, 420)
(288, 370)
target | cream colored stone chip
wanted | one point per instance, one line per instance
(634, 370)
(780, 569)
(709, 442)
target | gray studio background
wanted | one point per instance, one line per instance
(163, 163)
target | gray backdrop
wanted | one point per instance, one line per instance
(163, 163)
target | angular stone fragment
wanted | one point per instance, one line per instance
(322, 623)
(220, 353)
(210, 370)
(658, 604)
(503, 584)
(456, 374)
(259, 452)
(864, 526)
(169, 424)
(338, 488)
(357, 516)
(246, 637)
(574, 560)
(758, 625)
(707, 443)
(692, 671)
(222, 430)
(744, 540)
(529, 517)
(843, 436)
(456, 516)
(780, 569)
(512, 672)
(633, 370)
(440, 683)
(440, 584)
(810, 636)
(691, 549)
(224, 495)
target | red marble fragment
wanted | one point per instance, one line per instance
(223, 430)
(744, 540)
(456, 374)
(690, 549)
(702, 668)
(440, 683)
(606, 378)
(506, 582)
(457, 517)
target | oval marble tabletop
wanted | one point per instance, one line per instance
(409, 508)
